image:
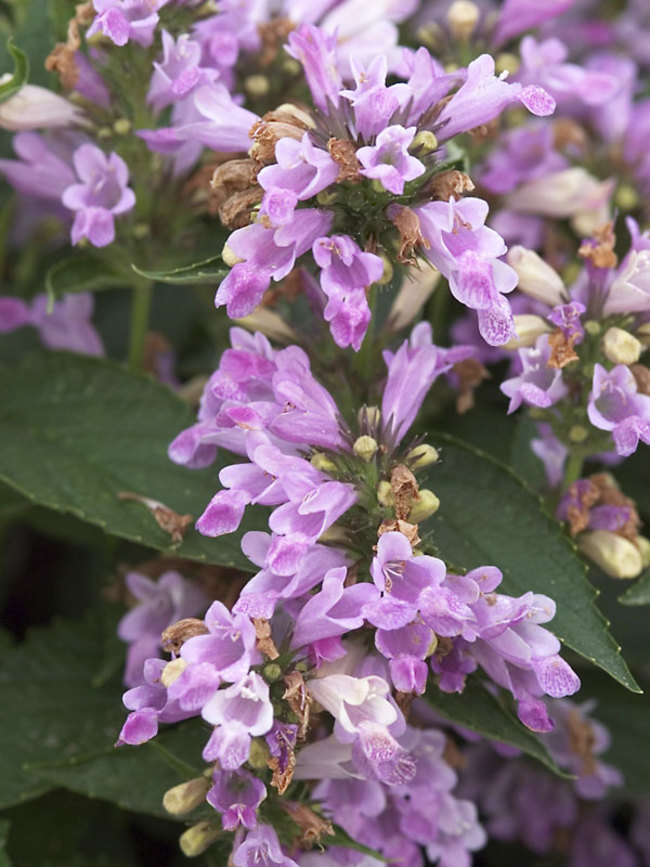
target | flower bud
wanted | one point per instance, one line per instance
(621, 347)
(186, 797)
(528, 327)
(578, 433)
(365, 447)
(616, 556)
(385, 494)
(462, 18)
(427, 504)
(323, 463)
(368, 417)
(506, 62)
(643, 332)
(259, 754)
(198, 838)
(431, 649)
(256, 86)
(536, 278)
(229, 258)
(36, 107)
(424, 143)
(122, 126)
(422, 456)
(643, 545)
(172, 671)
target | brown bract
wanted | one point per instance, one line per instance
(404, 701)
(642, 375)
(470, 373)
(344, 154)
(175, 636)
(396, 526)
(237, 211)
(407, 224)
(405, 489)
(273, 35)
(448, 184)
(582, 741)
(167, 519)
(62, 57)
(299, 699)
(283, 122)
(562, 351)
(282, 778)
(310, 823)
(265, 643)
(583, 498)
(600, 250)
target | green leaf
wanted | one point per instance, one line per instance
(76, 432)
(134, 778)
(489, 516)
(477, 709)
(81, 273)
(51, 708)
(20, 75)
(638, 593)
(343, 839)
(209, 271)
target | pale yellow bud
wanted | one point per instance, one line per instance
(643, 545)
(259, 754)
(422, 456)
(122, 126)
(643, 332)
(462, 18)
(257, 85)
(621, 347)
(528, 327)
(616, 556)
(186, 797)
(34, 107)
(370, 415)
(269, 323)
(323, 463)
(536, 277)
(229, 258)
(424, 142)
(427, 504)
(365, 447)
(592, 327)
(578, 433)
(506, 63)
(198, 838)
(335, 535)
(172, 671)
(385, 494)
(433, 646)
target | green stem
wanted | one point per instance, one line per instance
(363, 361)
(140, 309)
(573, 469)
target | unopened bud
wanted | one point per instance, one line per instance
(323, 463)
(528, 327)
(536, 278)
(36, 107)
(186, 797)
(387, 273)
(462, 18)
(335, 535)
(385, 494)
(257, 86)
(433, 646)
(259, 754)
(592, 327)
(422, 456)
(643, 545)
(616, 556)
(172, 671)
(365, 447)
(427, 504)
(643, 333)
(626, 198)
(621, 347)
(229, 258)
(506, 62)
(369, 417)
(198, 838)
(122, 126)
(578, 433)
(272, 671)
(424, 143)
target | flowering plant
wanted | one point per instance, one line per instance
(286, 583)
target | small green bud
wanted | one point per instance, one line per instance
(335, 535)
(385, 494)
(198, 838)
(592, 327)
(365, 447)
(377, 186)
(259, 753)
(186, 797)
(323, 463)
(462, 18)
(105, 132)
(626, 197)
(122, 126)
(427, 504)
(257, 86)
(578, 433)
(621, 347)
(506, 62)
(141, 230)
(326, 197)
(291, 67)
(424, 142)
(272, 671)
(422, 456)
(387, 274)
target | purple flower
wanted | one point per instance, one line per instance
(102, 194)
(40, 170)
(316, 51)
(178, 73)
(615, 405)
(300, 167)
(149, 704)
(123, 20)
(261, 848)
(67, 325)
(537, 384)
(373, 102)
(229, 647)
(236, 795)
(389, 161)
(516, 16)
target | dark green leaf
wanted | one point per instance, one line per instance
(489, 516)
(51, 708)
(478, 710)
(134, 778)
(81, 273)
(638, 593)
(20, 74)
(75, 432)
(209, 271)
(11, 501)
(4, 831)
